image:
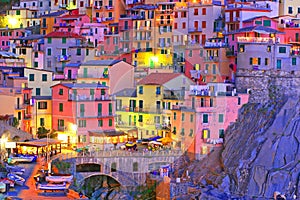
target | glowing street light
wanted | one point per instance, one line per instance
(12, 21)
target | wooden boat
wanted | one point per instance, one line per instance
(59, 178)
(17, 179)
(21, 158)
(15, 169)
(53, 187)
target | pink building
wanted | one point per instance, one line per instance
(7, 34)
(82, 113)
(216, 105)
(70, 72)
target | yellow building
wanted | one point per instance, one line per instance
(22, 18)
(47, 21)
(41, 113)
(148, 108)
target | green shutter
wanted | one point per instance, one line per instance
(92, 92)
(99, 109)
(110, 108)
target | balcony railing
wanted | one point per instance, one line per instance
(211, 59)
(195, 29)
(256, 40)
(88, 98)
(63, 58)
(215, 44)
(61, 128)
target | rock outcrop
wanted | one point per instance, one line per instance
(261, 155)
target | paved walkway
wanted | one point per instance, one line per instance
(32, 194)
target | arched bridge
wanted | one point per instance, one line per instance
(127, 168)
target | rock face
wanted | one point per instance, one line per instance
(261, 155)
(262, 151)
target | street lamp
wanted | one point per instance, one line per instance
(47, 155)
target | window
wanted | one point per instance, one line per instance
(258, 61)
(182, 117)
(205, 134)
(221, 118)
(35, 64)
(37, 91)
(42, 105)
(100, 123)
(42, 121)
(135, 166)
(140, 89)
(239, 100)
(182, 132)
(49, 40)
(113, 167)
(61, 123)
(266, 61)
(64, 40)
(278, 64)
(214, 69)
(44, 77)
(221, 133)
(203, 11)
(183, 14)
(251, 61)
(174, 130)
(269, 49)
(241, 48)
(36, 54)
(140, 118)
(110, 109)
(205, 118)
(267, 22)
(157, 90)
(19, 115)
(49, 52)
(61, 107)
(87, 52)
(175, 25)
(196, 11)
(258, 22)
(183, 25)
(191, 118)
(110, 122)
(290, 10)
(81, 123)
(82, 109)
(78, 52)
(61, 91)
(211, 102)
(191, 133)
(294, 61)
(282, 50)
(174, 115)
(203, 24)
(298, 10)
(31, 77)
(190, 53)
(18, 12)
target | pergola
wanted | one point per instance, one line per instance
(42, 145)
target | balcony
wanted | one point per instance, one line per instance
(109, 7)
(211, 59)
(230, 53)
(143, 28)
(61, 128)
(138, 17)
(256, 40)
(108, 19)
(200, 90)
(254, 6)
(195, 29)
(111, 33)
(27, 116)
(215, 45)
(63, 58)
(142, 38)
(88, 98)
(87, 34)
(62, 6)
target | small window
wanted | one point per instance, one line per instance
(241, 48)
(37, 91)
(44, 77)
(141, 90)
(113, 167)
(31, 77)
(49, 52)
(36, 64)
(251, 61)
(269, 49)
(191, 133)
(64, 40)
(290, 10)
(157, 90)
(266, 61)
(174, 115)
(182, 132)
(42, 105)
(81, 123)
(42, 121)
(278, 64)
(100, 123)
(190, 53)
(49, 40)
(61, 107)
(294, 61)
(61, 91)
(258, 61)
(221, 133)
(140, 118)
(182, 117)
(203, 11)
(78, 52)
(282, 49)
(239, 100)
(267, 22)
(205, 118)
(221, 118)
(110, 122)
(18, 12)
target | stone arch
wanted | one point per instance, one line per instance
(100, 174)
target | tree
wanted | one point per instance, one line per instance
(15, 122)
(42, 132)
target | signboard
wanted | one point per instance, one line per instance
(10, 145)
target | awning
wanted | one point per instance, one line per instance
(109, 133)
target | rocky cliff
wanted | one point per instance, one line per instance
(261, 155)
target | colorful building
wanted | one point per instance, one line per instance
(82, 113)
(115, 74)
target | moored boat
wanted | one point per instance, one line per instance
(50, 186)
(17, 179)
(59, 178)
(2, 187)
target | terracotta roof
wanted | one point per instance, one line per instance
(158, 78)
(60, 34)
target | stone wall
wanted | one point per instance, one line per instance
(267, 85)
